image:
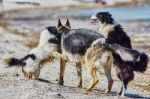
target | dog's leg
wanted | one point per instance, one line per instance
(107, 71)
(94, 79)
(124, 85)
(125, 76)
(62, 70)
(120, 76)
(79, 72)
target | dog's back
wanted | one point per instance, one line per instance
(77, 41)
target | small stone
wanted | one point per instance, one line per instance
(57, 95)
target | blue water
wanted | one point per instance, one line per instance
(120, 13)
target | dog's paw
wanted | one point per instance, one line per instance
(31, 73)
(61, 82)
(107, 91)
(87, 89)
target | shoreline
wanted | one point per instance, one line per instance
(71, 5)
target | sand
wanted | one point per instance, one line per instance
(13, 85)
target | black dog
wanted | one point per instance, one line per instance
(114, 33)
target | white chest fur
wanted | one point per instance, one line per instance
(105, 28)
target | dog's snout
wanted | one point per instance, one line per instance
(94, 19)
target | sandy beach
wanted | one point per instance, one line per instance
(19, 30)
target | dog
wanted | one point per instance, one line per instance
(101, 55)
(114, 33)
(47, 49)
(74, 46)
(70, 45)
(98, 56)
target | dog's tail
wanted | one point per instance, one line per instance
(12, 61)
(141, 64)
(138, 60)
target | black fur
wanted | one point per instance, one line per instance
(120, 37)
(57, 38)
(105, 17)
(15, 61)
(32, 56)
(21, 62)
(140, 59)
(54, 40)
(52, 29)
(141, 64)
(80, 40)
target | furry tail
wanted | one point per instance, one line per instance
(11, 61)
(141, 63)
(137, 60)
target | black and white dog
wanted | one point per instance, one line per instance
(114, 33)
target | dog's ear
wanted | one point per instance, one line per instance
(108, 14)
(59, 24)
(109, 18)
(106, 17)
(68, 24)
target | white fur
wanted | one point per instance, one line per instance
(94, 20)
(44, 50)
(93, 17)
(104, 28)
(40, 53)
(125, 55)
(100, 41)
(44, 37)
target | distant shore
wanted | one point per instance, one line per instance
(17, 5)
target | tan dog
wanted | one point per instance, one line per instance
(101, 54)
(99, 57)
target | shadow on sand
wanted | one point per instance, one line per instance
(43, 80)
(128, 95)
(134, 95)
